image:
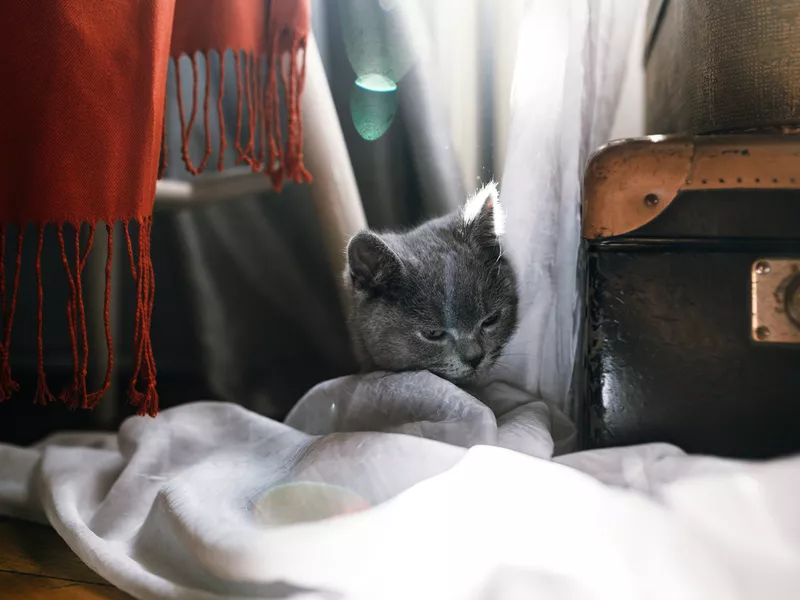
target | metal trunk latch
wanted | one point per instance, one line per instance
(775, 289)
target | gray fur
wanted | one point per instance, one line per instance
(447, 274)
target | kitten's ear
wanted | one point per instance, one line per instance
(484, 217)
(371, 263)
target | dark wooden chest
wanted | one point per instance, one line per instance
(692, 325)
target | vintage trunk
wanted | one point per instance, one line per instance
(692, 328)
(722, 65)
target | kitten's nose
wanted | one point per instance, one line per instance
(475, 361)
(471, 354)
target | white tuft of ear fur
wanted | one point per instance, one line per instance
(487, 195)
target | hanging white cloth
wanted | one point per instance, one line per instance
(568, 75)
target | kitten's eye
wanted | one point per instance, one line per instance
(490, 321)
(433, 335)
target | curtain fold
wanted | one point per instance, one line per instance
(569, 71)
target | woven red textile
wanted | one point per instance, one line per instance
(268, 39)
(82, 133)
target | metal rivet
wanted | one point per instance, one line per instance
(651, 200)
(762, 333)
(762, 267)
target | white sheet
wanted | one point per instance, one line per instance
(211, 501)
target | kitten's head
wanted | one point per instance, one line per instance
(440, 297)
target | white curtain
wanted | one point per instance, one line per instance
(569, 71)
(469, 48)
(541, 83)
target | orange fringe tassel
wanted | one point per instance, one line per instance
(7, 385)
(258, 98)
(76, 395)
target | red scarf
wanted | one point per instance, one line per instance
(82, 130)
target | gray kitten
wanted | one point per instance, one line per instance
(440, 297)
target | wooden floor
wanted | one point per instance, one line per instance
(36, 563)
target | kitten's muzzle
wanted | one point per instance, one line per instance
(470, 352)
(474, 361)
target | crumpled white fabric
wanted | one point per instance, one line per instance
(187, 505)
(211, 501)
(427, 406)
